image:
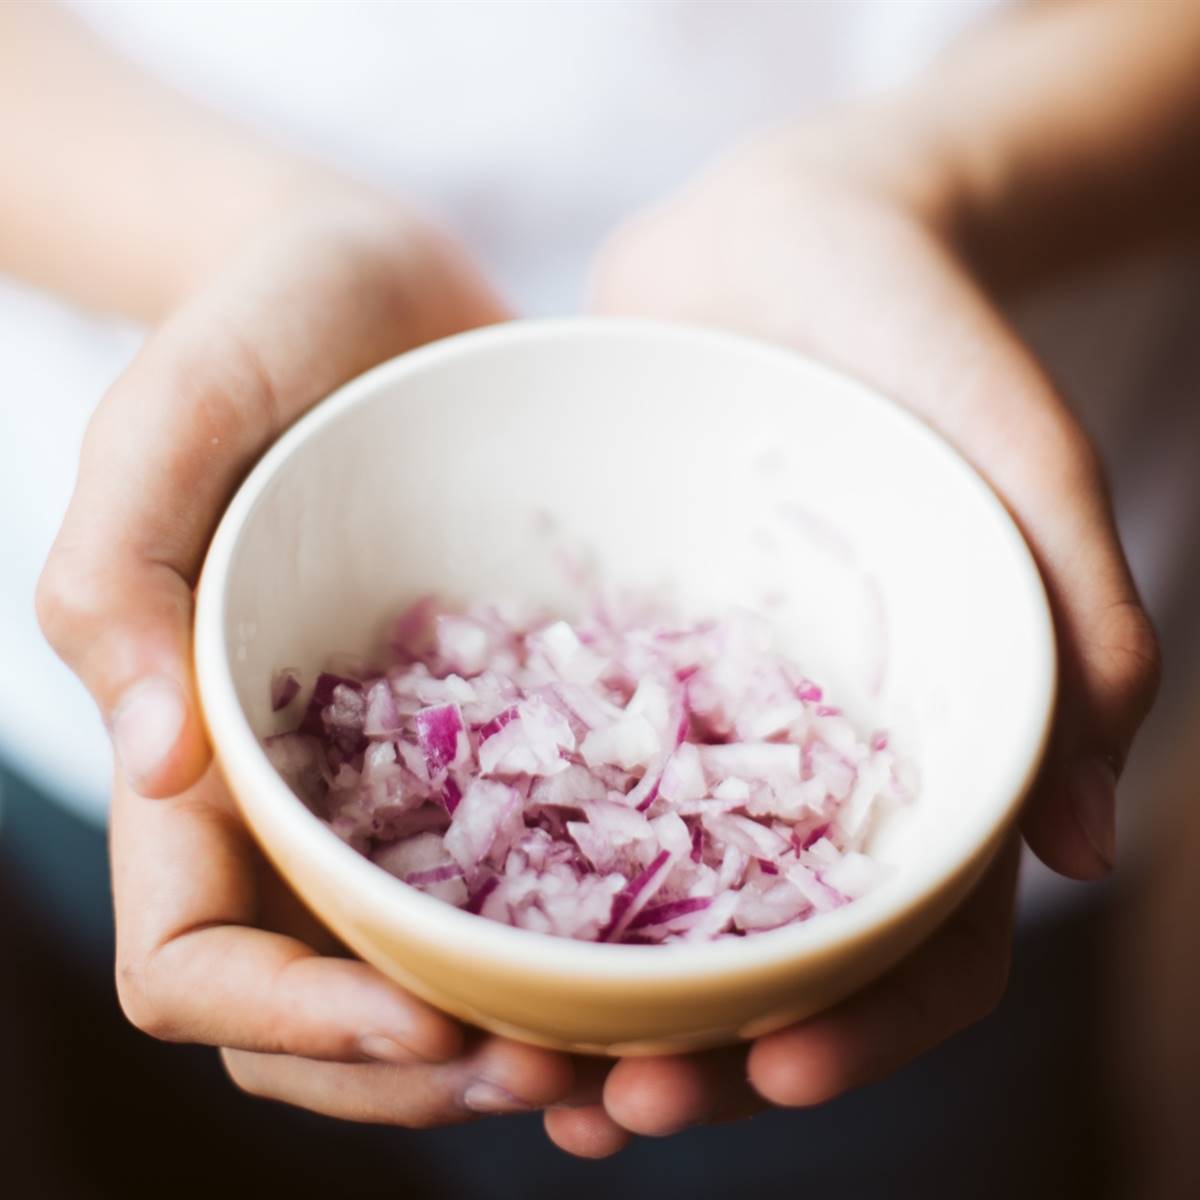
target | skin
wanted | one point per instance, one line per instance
(876, 239)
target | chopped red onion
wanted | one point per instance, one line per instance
(285, 687)
(633, 897)
(625, 779)
(382, 717)
(451, 795)
(438, 733)
(670, 912)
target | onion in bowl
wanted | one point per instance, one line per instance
(629, 778)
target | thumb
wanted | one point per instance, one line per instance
(125, 627)
(1109, 672)
(163, 450)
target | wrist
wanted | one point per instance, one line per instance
(269, 197)
(883, 153)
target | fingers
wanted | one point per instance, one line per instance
(1008, 419)
(660, 1096)
(499, 1077)
(190, 969)
(952, 981)
(172, 439)
(1110, 665)
(1040, 460)
(587, 1132)
(578, 1123)
(1108, 654)
(1014, 426)
(232, 986)
(331, 1035)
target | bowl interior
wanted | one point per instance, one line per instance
(696, 466)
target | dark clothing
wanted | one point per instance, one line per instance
(92, 1108)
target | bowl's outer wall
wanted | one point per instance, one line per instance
(589, 1016)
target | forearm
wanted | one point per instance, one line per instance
(116, 191)
(1067, 132)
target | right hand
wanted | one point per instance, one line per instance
(831, 239)
(211, 946)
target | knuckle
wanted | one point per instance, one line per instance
(237, 407)
(622, 266)
(66, 603)
(428, 1117)
(229, 396)
(1131, 639)
(138, 1004)
(204, 392)
(243, 1075)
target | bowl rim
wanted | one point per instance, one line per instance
(431, 919)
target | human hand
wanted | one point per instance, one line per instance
(212, 948)
(830, 241)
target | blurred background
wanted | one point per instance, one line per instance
(533, 129)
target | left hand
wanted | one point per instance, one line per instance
(212, 948)
(832, 243)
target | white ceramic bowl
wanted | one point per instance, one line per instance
(688, 462)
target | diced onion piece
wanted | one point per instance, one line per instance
(465, 645)
(485, 810)
(440, 733)
(531, 743)
(285, 687)
(853, 874)
(683, 776)
(752, 760)
(627, 743)
(382, 716)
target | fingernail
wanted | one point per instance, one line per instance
(383, 1048)
(146, 724)
(1094, 795)
(483, 1096)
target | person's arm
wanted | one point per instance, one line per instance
(116, 191)
(878, 238)
(269, 282)
(1070, 134)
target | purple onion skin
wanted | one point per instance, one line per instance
(313, 722)
(476, 900)
(659, 914)
(814, 836)
(497, 723)
(651, 796)
(434, 875)
(437, 734)
(628, 895)
(284, 689)
(451, 795)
